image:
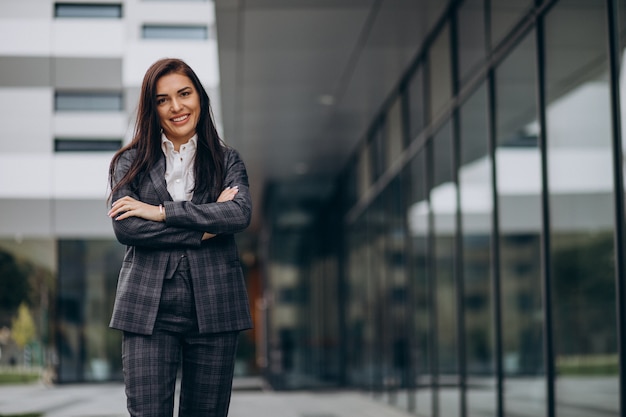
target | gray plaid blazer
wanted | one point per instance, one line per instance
(153, 250)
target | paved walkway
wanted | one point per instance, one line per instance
(108, 400)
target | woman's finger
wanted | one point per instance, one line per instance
(120, 206)
(227, 194)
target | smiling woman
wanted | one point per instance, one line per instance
(179, 195)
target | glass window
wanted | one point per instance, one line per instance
(395, 292)
(357, 323)
(364, 169)
(285, 349)
(471, 37)
(87, 145)
(440, 73)
(377, 223)
(443, 200)
(475, 182)
(394, 137)
(377, 151)
(505, 14)
(416, 103)
(88, 350)
(349, 182)
(518, 182)
(88, 101)
(579, 134)
(320, 304)
(373, 274)
(28, 271)
(175, 32)
(88, 10)
(418, 214)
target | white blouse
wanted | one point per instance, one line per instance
(179, 174)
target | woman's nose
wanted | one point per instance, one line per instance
(176, 105)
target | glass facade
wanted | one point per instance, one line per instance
(480, 267)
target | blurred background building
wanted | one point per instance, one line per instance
(438, 190)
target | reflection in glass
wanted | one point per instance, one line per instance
(396, 291)
(416, 103)
(517, 159)
(88, 350)
(286, 352)
(443, 201)
(440, 72)
(476, 212)
(418, 212)
(28, 269)
(394, 138)
(581, 209)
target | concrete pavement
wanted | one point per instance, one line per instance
(108, 400)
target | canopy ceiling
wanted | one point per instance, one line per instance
(301, 81)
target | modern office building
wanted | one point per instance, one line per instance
(438, 188)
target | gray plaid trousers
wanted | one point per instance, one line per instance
(151, 362)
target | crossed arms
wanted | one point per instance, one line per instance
(179, 223)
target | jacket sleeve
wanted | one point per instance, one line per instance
(135, 231)
(218, 218)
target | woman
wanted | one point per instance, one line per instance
(179, 194)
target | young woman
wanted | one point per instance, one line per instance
(178, 195)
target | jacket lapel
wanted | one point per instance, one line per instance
(157, 175)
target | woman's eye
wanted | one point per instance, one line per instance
(160, 101)
(185, 93)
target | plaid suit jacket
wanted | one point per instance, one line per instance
(153, 250)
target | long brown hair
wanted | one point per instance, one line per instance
(209, 160)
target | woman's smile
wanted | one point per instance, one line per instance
(180, 118)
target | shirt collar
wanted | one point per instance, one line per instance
(167, 146)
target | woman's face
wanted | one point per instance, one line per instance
(178, 105)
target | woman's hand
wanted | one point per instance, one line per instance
(228, 194)
(129, 207)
